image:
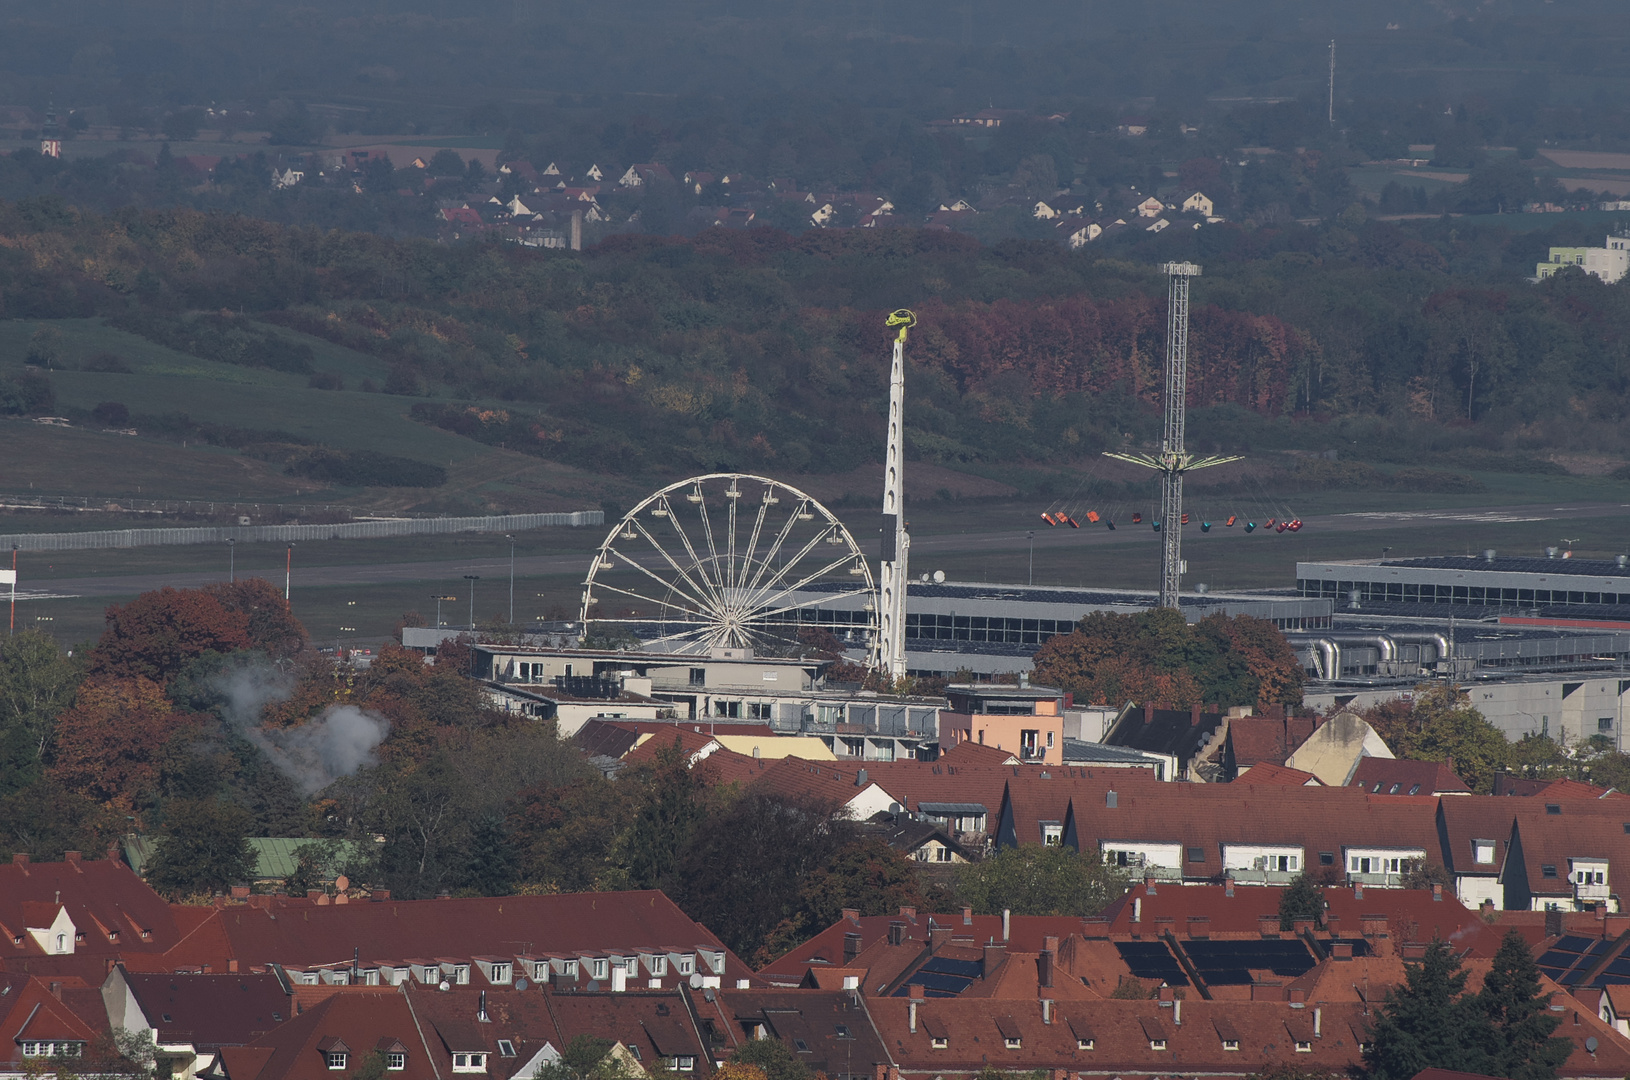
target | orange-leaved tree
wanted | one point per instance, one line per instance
(158, 633)
(109, 746)
(272, 627)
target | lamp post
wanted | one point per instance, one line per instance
(472, 579)
(288, 572)
(232, 558)
(1031, 536)
(438, 598)
(511, 540)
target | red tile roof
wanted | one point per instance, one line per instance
(1026, 933)
(113, 908)
(1400, 776)
(1266, 772)
(354, 1024)
(29, 1011)
(210, 1010)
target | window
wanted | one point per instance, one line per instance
(1052, 833)
(1415, 789)
(687, 963)
(1553, 808)
(395, 1061)
(506, 1048)
(1230, 1044)
(698, 676)
(939, 1042)
(1483, 850)
(633, 1051)
(469, 1062)
(1085, 1044)
(759, 710)
(1197, 854)
(683, 1064)
(801, 1046)
(1304, 1047)
(1604, 725)
(337, 1059)
(1012, 1043)
(842, 1031)
(1327, 858)
(598, 969)
(1547, 871)
(1157, 1044)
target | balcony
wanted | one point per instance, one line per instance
(1378, 881)
(1263, 877)
(1589, 894)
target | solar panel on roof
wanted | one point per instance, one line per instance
(1619, 967)
(931, 980)
(1151, 960)
(1223, 960)
(1601, 948)
(1572, 943)
(1558, 959)
(945, 965)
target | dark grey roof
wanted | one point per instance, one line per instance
(951, 808)
(1169, 731)
(1515, 564)
(1081, 750)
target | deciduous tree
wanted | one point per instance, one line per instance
(204, 848)
(157, 633)
(1032, 880)
(110, 744)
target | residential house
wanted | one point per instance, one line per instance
(1198, 203)
(1023, 719)
(829, 1030)
(1609, 262)
(1266, 772)
(1534, 854)
(75, 917)
(990, 118)
(1150, 208)
(42, 1020)
(1133, 125)
(1186, 737)
(191, 1018)
(1078, 232)
(1398, 776)
(920, 841)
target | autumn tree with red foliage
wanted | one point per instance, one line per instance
(158, 633)
(1157, 656)
(272, 627)
(110, 745)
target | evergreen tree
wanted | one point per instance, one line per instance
(1429, 1022)
(491, 869)
(1523, 1047)
(205, 848)
(675, 801)
(1302, 900)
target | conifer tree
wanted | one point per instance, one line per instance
(1429, 1022)
(1523, 1046)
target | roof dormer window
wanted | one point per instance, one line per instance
(337, 1059)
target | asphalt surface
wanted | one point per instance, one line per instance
(306, 577)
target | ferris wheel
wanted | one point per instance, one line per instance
(726, 560)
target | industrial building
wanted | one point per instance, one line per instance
(987, 629)
(1475, 587)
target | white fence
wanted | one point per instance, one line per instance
(248, 534)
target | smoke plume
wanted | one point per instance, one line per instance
(314, 754)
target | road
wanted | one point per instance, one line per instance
(931, 544)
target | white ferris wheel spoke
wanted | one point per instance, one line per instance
(807, 580)
(697, 564)
(775, 548)
(703, 589)
(694, 595)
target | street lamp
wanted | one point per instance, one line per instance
(1031, 536)
(232, 557)
(511, 540)
(472, 579)
(438, 598)
(288, 572)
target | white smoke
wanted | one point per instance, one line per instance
(314, 754)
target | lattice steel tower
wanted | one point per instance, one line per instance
(1173, 460)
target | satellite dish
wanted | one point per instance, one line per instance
(445, 985)
(1591, 1044)
(939, 577)
(342, 883)
(696, 980)
(894, 808)
(521, 984)
(594, 985)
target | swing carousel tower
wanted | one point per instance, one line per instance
(1173, 460)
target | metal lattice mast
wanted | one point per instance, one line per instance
(891, 581)
(1174, 460)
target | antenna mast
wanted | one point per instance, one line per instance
(1173, 460)
(1332, 80)
(891, 582)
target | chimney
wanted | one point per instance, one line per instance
(71, 857)
(1341, 950)
(897, 933)
(1486, 909)
(1194, 715)
(1358, 890)
(56, 990)
(1166, 993)
(1050, 943)
(1047, 1010)
(1302, 926)
(1332, 923)
(916, 991)
(1137, 909)
(994, 955)
(1199, 926)
(1044, 969)
(20, 858)
(1177, 1010)
(937, 937)
(1007, 923)
(911, 1005)
(1437, 892)
(1228, 885)
(860, 778)
(1148, 712)
(481, 1009)
(851, 914)
(851, 947)
(967, 916)
(1318, 1022)
(908, 913)
(239, 892)
(380, 895)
